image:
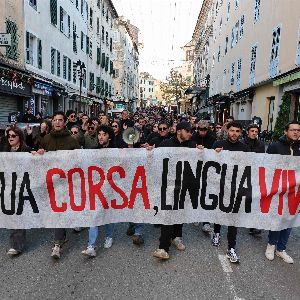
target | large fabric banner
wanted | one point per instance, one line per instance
(83, 188)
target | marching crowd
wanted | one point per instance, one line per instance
(156, 128)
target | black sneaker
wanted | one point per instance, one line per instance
(137, 239)
(231, 254)
(130, 230)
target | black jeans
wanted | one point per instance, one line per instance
(169, 232)
(60, 236)
(18, 239)
(231, 234)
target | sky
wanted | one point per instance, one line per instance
(165, 26)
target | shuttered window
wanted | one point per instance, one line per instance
(39, 52)
(12, 50)
(53, 11)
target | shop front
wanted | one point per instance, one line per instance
(42, 98)
(14, 92)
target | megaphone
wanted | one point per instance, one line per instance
(131, 135)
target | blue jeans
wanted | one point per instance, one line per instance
(279, 238)
(138, 228)
(93, 233)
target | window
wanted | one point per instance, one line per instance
(102, 33)
(224, 80)
(98, 56)
(111, 67)
(237, 3)
(65, 59)
(84, 78)
(106, 38)
(69, 69)
(74, 72)
(274, 60)
(226, 45)
(53, 12)
(76, 3)
(91, 49)
(228, 10)
(74, 38)
(102, 87)
(91, 17)
(12, 50)
(237, 25)
(92, 84)
(256, 11)
(103, 60)
(238, 75)
(33, 3)
(252, 65)
(219, 54)
(98, 3)
(53, 61)
(110, 44)
(58, 64)
(65, 22)
(106, 63)
(98, 87)
(242, 26)
(87, 45)
(232, 73)
(98, 26)
(39, 54)
(298, 49)
(221, 23)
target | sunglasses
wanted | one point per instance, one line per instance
(12, 136)
(74, 132)
(162, 128)
(218, 127)
(202, 129)
(91, 128)
(114, 126)
(72, 116)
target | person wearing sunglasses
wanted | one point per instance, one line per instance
(204, 138)
(163, 131)
(14, 142)
(173, 233)
(71, 119)
(119, 142)
(90, 137)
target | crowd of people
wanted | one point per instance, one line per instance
(156, 128)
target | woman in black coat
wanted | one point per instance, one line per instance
(14, 142)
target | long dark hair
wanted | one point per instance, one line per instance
(19, 132)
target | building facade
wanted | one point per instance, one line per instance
(62, 56)
(126, 75)
(254, 58)
(147, 89)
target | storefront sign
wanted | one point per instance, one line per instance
(42, 89)
(5, 39)
(15, 87)
(286, 79)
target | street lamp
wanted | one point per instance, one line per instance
(81, 67)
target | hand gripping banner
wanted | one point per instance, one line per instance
(84, 188)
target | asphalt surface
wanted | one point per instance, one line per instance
(127, 271)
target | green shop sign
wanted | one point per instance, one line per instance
(286, 79)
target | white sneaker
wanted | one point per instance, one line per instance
(206, 228)
(178, 243)
(286, 258)
(56, 251)
(13, 252)
(270, 252)
(108, 242)
(89, 251)
(216, 239)
(232, 256)
(196, 224)
(161, 253)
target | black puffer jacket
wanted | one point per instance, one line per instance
(284, 147)
(174, 142)
(206, 141)
(254, 145)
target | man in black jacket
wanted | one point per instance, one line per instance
(204, 138)
(287, 145)
(174, 232)
(254, 145)
(163, 131)
(232, 143)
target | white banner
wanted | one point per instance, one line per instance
(83, 188)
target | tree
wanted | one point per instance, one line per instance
(283, 116)
(174, 88)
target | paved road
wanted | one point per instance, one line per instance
(129, 272)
